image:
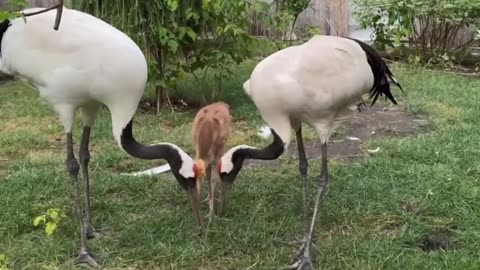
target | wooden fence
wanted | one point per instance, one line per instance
(42, 3)
(33, 3)
(329, 16)
(332, 17)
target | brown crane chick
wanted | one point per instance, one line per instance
(210, 132)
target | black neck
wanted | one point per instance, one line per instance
(158, 151)
(271, 152)
(3, 28)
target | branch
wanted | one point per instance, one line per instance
(58, 18)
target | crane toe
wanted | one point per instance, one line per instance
(304, 263)
(91, 232)
(302, 260)
(84, 258)
(361, 106)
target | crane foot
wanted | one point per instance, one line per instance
(302, 260)
(86, 259)
(93, 233)
(361, 105)
(304, 263)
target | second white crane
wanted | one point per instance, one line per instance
(310, 83)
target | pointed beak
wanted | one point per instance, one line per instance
(198, 187)
(226, 187)
(195, 202)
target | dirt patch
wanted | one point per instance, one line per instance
(438, 240)
(5, 166)
(370, 123)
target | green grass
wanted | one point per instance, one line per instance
(375, 214)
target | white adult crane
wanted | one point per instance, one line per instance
(84, 64)
(309, 83)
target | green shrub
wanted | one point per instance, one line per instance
(434, 30)
(181, 36)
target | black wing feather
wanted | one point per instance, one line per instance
(381, 74)
(3, 28)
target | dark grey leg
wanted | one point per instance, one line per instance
(73, 167)
(224, 190)
(305, 261)
(303, 169)
(84, 155)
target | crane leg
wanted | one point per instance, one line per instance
(84, 155)
(303, 169)
(305, 258)
(211, 193)
(224, 190)
(84, 256)
(208, 175)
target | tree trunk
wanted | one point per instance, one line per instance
(338, 17)
(159, 92)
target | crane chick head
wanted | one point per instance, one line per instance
(199, 172)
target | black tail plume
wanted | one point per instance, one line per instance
(3, 28)
(381, 74)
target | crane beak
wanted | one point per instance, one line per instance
(195, 202)
(226, 187)
(198, 186)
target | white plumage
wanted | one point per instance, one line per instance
(304, 84)
(310, 83)
(85, 64)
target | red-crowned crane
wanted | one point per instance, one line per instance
(309, 83)
(210, 131)
(84, 64)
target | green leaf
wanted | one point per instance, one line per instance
(53, 213)
(173, 45)
(173, 4)
(191, 33)
(39, 219)
(50, 228)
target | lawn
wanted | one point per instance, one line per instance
(377, 214)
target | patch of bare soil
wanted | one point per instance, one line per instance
(5, 165)
(370, 123)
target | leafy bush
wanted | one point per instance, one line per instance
(180, 36)
(435, 30)
(12, 5)
(280, 17)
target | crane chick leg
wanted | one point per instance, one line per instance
(211, 193)
(305, 260)
(84, 155)
(84, 256)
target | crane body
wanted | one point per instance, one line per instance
(210, 132)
